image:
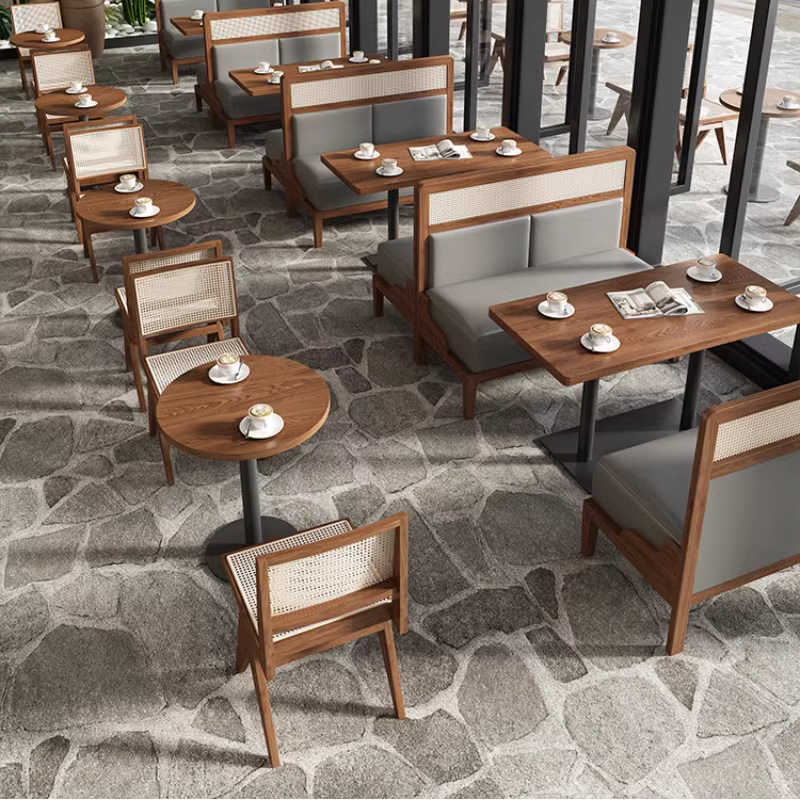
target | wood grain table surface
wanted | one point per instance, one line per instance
(35, 41)
(188, 26)
(732, 98)
(61, 104)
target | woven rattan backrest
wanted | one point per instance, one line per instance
(108, 150)
(57, 70)
(184, 296)
(29, 17)
(145, 262)
(555, 16)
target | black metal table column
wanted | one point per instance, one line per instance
(760, 192)
(588, 420)
(140, 239)
(691, 393)
(393, 213)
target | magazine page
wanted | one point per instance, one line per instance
(666, 301)
(656, 300)
(436, 152)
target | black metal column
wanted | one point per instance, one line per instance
(472, 58)
(431, 28)
(580, 72)
(749, 126)
(364, 25)
(526, 31)
(655, 109)
(794, 360)
(393, 29)
(691, 394)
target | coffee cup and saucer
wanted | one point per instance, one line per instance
(358, 57)
(263, 68)
(508, 147)
(76, 87)
(611, 38)
(556, 306)
(144, 208)
(704, 270)
(754, 298)
(128, 184)
(789, 103)
(228, 369)
(85, 101)
(366, 152)
(50, 37)
(261, 422)
(389, 168)
(482, 135)
(600, 339)
(197, 15)
(275, 77)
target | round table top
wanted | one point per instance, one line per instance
(62, 104)
(732, 98)
(34, 41)
(202, 417)
(625, 39)
(108, 209)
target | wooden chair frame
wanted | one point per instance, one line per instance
(412, 300)
(206, 91)
(670, 570)
(25, 60)
(213, 329)
(257, 648)
(283, 170)
(795, 212)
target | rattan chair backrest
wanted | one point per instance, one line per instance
(102, 151)
(145, 262)
(28, 17)
(58, 70)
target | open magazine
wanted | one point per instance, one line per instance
(655, 300)
(444, 150)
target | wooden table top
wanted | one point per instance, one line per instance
(108, 209)
(625, 39)
(361, 177)
(258, 85)
(34, 41)
(62, 104)
(188, 26)
(732, 98)
(644, 341)
(202, 417)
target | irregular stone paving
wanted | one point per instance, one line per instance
(528, 670)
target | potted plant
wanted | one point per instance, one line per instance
(87, 16)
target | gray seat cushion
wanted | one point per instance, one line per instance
(237, 104)
(315, 47)
(326, 131)
(462, 310)
(273, 144)
(417, 118)
(646, 488)
(395, 261)
(180, 46)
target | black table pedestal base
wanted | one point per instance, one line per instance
(232, 537)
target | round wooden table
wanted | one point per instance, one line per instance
(35, 41)
(732, 98)
(598, 45)
(202, 418)
(107, 210)
(61, 104)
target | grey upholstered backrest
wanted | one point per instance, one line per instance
(183, 8)
(575, 231)
(481, 251)
(752, 520)
(326, 131)
(239, 5)
(416, 118)
(242, 55)
(314, 47)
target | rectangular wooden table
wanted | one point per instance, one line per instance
(555, 343)
(188, 26)
(362, 178)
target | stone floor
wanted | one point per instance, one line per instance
(528, 670)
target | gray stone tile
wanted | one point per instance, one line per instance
(774, 666)
(394, 465)
(17, 510)
(453, 442)
(22, 619)
(288, 781)
(784, 748)
(11, 780)
(741, 612)
(563, 663)
(385, 413)
(94, 501)
(360, 505)
(132, 537)
(738, 771)
(217, 717)
(542, 583)
(42, 558)
(537, 772)
(784, 594)
(36, 449)
(680, 677)
(46, 758)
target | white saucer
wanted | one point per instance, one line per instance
(122, 190)
(76, 91)
(153, 211)
(398, 171)
(783, 107)
(361, 157)
(545, 311)
(476, 138)
(273, 429)
(613, 345)
(214, 375)
(263, 72)
(364, 60)
(765, 306)
(196, 19)
(696, 275)
(86, 105)
(612, 40)
(274, 82)
(502, 152)
(51, 41)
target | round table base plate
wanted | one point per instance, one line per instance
(598, 114)
(764, 194)
(232, 537)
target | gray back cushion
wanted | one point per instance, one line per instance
(238, 5)
(494, 248)
(323, 131)
(182, 8)
(242, 55)
(576, 231)
(316, 47)
(409, 119)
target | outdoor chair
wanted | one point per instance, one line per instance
(27, 17)
(795, 212)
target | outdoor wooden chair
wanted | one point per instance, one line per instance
(704, 511)
(54, 72)
(27, 17)
(316, 590)
(132, 265)
(713, 117)
(795, 212)
(179, 302)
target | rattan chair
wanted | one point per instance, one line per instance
(27, 17)
(795, 212)
(135, 264)
(704, 511)
(178, 302)
(316, 590)
(53, 72)
(97, 154)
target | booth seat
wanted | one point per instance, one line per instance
(471, 269)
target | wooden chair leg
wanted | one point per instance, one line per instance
(392, 672)
(589, 532)
(89, 249)
(153, 236)
(48, 143)
(377, 302)
(317, 231)
(419, 351)
(722, 142)
(562, 73)
(678, 624)
(242, 649)
(231, 135)
(617, 114)
(701, 137)
(262, 695)
(470, 397)
(794, 213)
(175, 77)
(166, 456)
(151, 409)
(136, 368)
(24, 75)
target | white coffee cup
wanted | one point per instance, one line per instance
(128, 180)
(755, 295)
(228, 364)
(144, 205)
(85, 100)
(484, 133)
(600, 334)
(76, 86)
(198, 14)
(508, 145)
(611, 38)
(44, 28)
(264, 66)
(706, 266)
(50, 35)
(259, 415)
(557, 302)
(389, 166)
(358, 55)
(367, 149)
(790, 101)
(276, 76)
(326, 64)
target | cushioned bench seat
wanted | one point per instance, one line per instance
(461, 310)
(273, 144)
(395, 261)
(180, 46)
(237, 104)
